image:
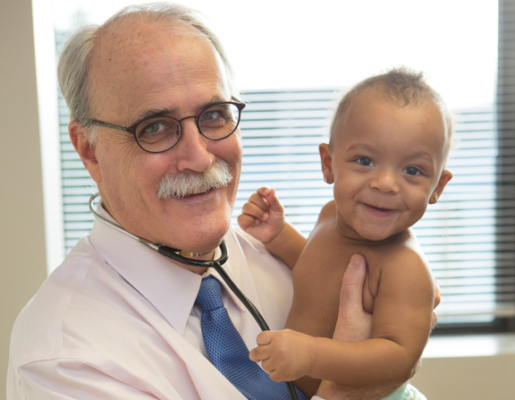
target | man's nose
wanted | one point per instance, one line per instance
(385, 181)
(192, 149)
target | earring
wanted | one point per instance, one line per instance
(326, 180)
(435, 199)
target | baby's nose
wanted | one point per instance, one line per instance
(385, 182)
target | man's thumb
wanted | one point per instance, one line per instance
(353, 280)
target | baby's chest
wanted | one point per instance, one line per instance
(318, 279)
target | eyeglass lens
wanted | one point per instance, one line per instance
(161, 133)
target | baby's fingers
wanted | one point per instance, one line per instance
(260, 353)
(253, 211)
(259, 198)
(246, 221)
(263, 351)
(271, 199)
(277, 371)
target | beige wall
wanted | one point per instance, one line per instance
(22, 235)
(467, 378)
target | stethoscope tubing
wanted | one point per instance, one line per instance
(171, 253)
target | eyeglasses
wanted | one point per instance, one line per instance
(160, 133)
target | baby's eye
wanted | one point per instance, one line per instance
(412, 171)
(365, 161)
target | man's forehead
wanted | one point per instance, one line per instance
(140, 57)
(131, 35)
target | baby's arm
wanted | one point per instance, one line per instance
(401, 324)
(263, 217)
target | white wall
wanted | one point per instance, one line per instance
(22, 233)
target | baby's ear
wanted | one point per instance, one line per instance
(442, 182)
(327, 162)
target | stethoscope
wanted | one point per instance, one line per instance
(179, 256)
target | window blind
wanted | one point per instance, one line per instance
(469, 255)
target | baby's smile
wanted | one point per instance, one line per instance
(378, 212)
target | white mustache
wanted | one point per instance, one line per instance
(189, 183)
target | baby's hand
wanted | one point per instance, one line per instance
(262, 216)
(286, 355)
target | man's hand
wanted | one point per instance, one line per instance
(286, 355)
(353, 324)
(438, 298)
(262, 216)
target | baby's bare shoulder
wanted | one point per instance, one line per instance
(325, 225)
(405, 260)
(325, 251)
(327, 212)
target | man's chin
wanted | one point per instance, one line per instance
(198, 234)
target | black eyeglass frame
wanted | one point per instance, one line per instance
(133, 128)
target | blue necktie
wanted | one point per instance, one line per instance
(227, 351)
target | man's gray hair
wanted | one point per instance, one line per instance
(73, 66)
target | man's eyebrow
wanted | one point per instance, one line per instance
(156, 112)
(161, 112)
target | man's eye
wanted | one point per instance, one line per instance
(211, 116)
(153, 127)
(365, 161)
(412, 171)
(157, 130)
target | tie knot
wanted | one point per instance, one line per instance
(209, 296)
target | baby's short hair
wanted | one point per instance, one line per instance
(401, 86)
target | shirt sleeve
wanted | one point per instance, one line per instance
(67, 379)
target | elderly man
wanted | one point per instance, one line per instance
(154, 120)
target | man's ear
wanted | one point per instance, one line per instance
(86, 150)
(327, 162)
(442, 182)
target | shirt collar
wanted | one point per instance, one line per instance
(171, 289)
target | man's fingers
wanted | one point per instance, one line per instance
(438, 297)
(353, 323)
(434, 320)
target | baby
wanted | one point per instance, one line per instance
(389, 143)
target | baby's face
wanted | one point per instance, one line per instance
(386, 162)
